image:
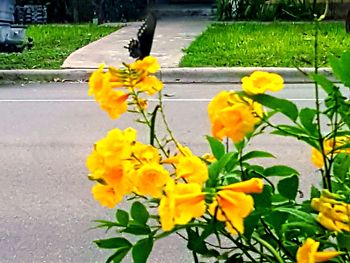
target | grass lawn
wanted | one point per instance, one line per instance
(52, 44)
(275, 44)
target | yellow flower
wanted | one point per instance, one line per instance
(329, 145)
(149, 65)
(150, 179)
(145, 153)
(260, 81)
(232, 207)
(308, 253)
(254, 185)
(150, 85)
(208, 157)
(333, 215)
(233, 116)
(179, 204)
(96, 165)
(189, 167)
(116, 146)
(106, 195)
(232, 204)
(115, 103)
(96, 81)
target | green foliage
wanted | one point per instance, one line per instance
(52, 45)
(276, 44)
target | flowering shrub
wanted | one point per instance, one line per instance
(222, 197)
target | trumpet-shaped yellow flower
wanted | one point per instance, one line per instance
(150, 85)
(149, 65)
(150, 179)
(233, 116)
(115, 103)
(145, 153)
(106, 195)
(308, 253)
(189, 167)
(329, 145)
(180, 204)
(232, 204)
(333, 215)
(254, 185)
(232, 207)
(116, 146)
(260, 81)
(96, 82)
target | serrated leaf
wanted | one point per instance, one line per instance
(217, 147)
(118, 255)
(284, 106)
(142, 250)
(115, 242)
(280, 170)
(139, 213)
(288, 187)
(122, 217)
(257, 154)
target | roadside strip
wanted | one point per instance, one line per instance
(167, 75)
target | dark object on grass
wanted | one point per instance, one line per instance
(12, 37)
(141, 47)
(347, 22)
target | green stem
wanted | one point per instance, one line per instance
(269, 248)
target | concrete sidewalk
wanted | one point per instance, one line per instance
(172, 35)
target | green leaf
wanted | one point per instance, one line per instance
(122, 217)
(288, 187)
(280, 170)
(307, 117)
(276, 219)
(115, 242)
(250, 223)
(139, 213)
(142, 250)
(263, 200)
(118, 255)
(286, 107)
(315, 193)
(340, 67)
(341, 166)
(197, 244)
(213, 173)
(343, 241)
(306, 228)
(217, 147)
(257, 154)
(137, 229)
(301, 215)
(325, 83)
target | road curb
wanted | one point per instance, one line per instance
(167, 75)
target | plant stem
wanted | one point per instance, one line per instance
(269, 247)
(318, 116)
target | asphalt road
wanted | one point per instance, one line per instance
(46, 133)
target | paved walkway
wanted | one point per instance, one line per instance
(172, 35)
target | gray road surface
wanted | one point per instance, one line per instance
(46, 133)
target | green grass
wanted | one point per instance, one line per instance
(52, 44)
(275, 44)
